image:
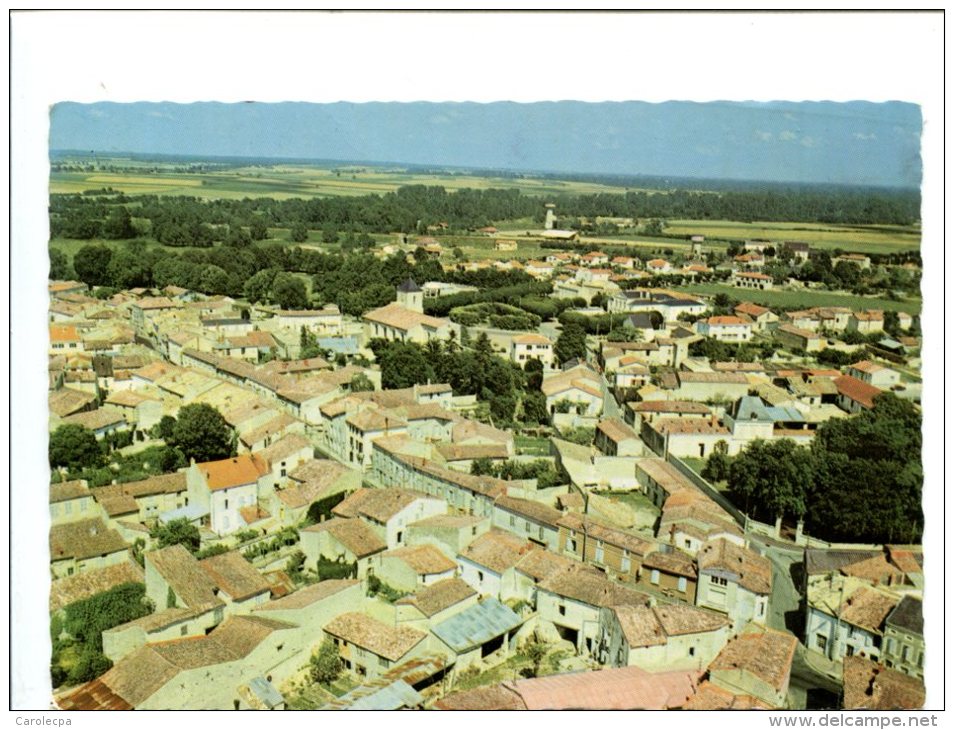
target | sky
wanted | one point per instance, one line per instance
(856, 143)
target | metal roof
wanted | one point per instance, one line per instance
(266, 692)
(477, 625)
(393, 696)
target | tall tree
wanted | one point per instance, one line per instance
(74, 447)
(571, 343)
(201, 433)
(91, 264)
(289, 292)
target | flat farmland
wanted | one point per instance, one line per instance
(293, 181)
(806, 298)
(827, 236)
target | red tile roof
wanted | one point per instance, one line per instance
(857, 390)
(234, 472)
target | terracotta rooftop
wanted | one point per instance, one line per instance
(592, 589)
(653, 625)
(615, 430)
(422, 559)
(711, 697)
(306, 597)
(725, 320)
(284, 448)
(857, 390)
(754, 572)
(354, 534)
(497, 550)
(379, 505)
(64, 591)
(234, 575)
(233, 472)
(400, 317)
(179, 568)
(868, 609)
(764, 653)
(96, 419)
(675, 563)
(84, 539)
(669, 406)
(529, 509)
(532, 339)
(606, 532)
(65, 491)
(439, 596)
(275, 426)
(625, 688)
(871, 686)
(389, 642)
(66, 401)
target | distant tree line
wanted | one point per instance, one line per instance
(190, 221)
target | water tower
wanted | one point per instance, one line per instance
(550, 220)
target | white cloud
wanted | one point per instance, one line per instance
(862, 136)
(787, 136)
(808, 141)
(764, 136)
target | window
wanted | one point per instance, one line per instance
(905, 653)
(849, 650)
(682, 585)
(692, 651)
(480, 576)
(688, 543)
(561, 609)
(184, 630)
(716, 580)
(513, 521)
(654, 577)
(599, 552)
(226, 504)
(571, 546)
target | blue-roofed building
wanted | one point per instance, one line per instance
(485, 630)
(750, 418)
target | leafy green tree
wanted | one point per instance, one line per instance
(91, 264)
(201, 433)
(59, 266)
(75, 447)
(402, 365)
(361, 383)
(237, 237)
(571, 343)
(87, 619)
(535, 408)
(118, 224)
(90, 664)
(289, 292)
(177, 532)
(171, 459)
(329, 234)
(325, 665)
(717, 467)
(536, 652)
(257, 287)
(298, 232)
(164, 429)
(773, 477)
(257, 229)
(502, 407)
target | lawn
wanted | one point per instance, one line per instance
(806, 298)
(827, 236)
(534, 445)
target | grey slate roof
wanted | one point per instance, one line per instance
(908, 616)
(477, 625)
(409, 286)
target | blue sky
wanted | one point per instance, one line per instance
(824, 142)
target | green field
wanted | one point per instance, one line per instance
(826, 236)
(806, 298)
(297, 181)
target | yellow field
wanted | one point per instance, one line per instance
(866, 239)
